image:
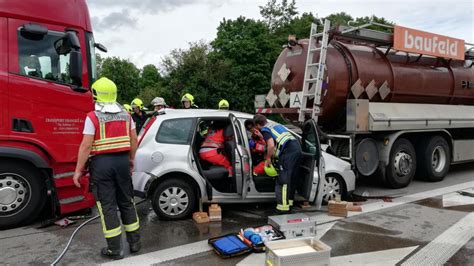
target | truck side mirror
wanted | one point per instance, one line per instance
(75, 67)
(69, 44)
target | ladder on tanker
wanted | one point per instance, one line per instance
(320, 67)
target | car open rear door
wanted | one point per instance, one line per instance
(242, 159)
(312, 165)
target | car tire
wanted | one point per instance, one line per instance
(22, 194)
(336, 186)
(434, 159)
(402, 165)
(174, 199)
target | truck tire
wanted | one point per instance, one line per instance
(22, 194)
(434, 159)
(173, 199)
(402, 165)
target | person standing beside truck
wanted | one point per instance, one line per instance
(281, 144)
(159, 105)
(223, 105)
(111, 141)
(139, 116)
(188, 101)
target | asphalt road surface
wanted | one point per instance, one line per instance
(425, 223)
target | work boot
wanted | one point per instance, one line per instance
(135, 247)
(115, 255)
(279, 212)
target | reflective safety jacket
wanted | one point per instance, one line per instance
(280, 135)
(112, 132)
(214, 139)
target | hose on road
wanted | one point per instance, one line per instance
(66, 248)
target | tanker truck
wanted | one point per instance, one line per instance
(395, 104)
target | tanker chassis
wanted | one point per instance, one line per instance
(393, 111)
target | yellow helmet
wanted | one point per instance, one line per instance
(188, 97)
(104, 91)
(137, 103)
(128, 108)
(270, 171)
(223, 104)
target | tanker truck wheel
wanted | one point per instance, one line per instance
(22, 194)
(402, 164)
(434, 159)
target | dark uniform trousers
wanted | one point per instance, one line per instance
(112, 187)
(285, 187)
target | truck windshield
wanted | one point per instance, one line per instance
(91, 56)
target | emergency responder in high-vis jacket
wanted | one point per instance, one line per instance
(139, 116)
(128, 108)
(110, 139)
(188, 101)
(283, 145)
(223, 104)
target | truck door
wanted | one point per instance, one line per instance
(242, 159)
(3, 76)
(43, 106)
(312, 166)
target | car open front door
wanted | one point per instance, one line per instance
(242, 171)
(312, 165)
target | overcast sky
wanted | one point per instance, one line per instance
(146, 30)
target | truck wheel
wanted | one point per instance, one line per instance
(22, 194)
(402, 164)
(173, 199)
(434, 159)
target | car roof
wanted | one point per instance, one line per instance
(181, 113)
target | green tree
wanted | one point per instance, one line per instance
(125, 75)
(193, 71)
(276, 15)
(149, 77)
(246, 47)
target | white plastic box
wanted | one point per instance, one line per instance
(297, 252)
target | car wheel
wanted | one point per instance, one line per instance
(434, 159)
(22, 194)
(173, 199)
(402, 166)
(334, 186)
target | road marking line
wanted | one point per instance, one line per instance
(442, 248)
(376, 206)
(455, 199)
(165, 254)
(383, 257)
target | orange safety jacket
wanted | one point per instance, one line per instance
(214, 139)
(112, 132)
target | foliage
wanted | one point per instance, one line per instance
(125, 75)
(278, 15)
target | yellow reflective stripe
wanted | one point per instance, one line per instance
(111, 146)
(283, 194)
(132, 227)
(128, 128)
(282, 207)
(99, 141)
(290, 202)
(102, 130)
(107, 233)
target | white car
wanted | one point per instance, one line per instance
(168, 170)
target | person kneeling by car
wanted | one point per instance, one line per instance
(283, 145)
(212, 149)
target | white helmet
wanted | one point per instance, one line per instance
(158, 101)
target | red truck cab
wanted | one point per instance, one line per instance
(47, 64)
